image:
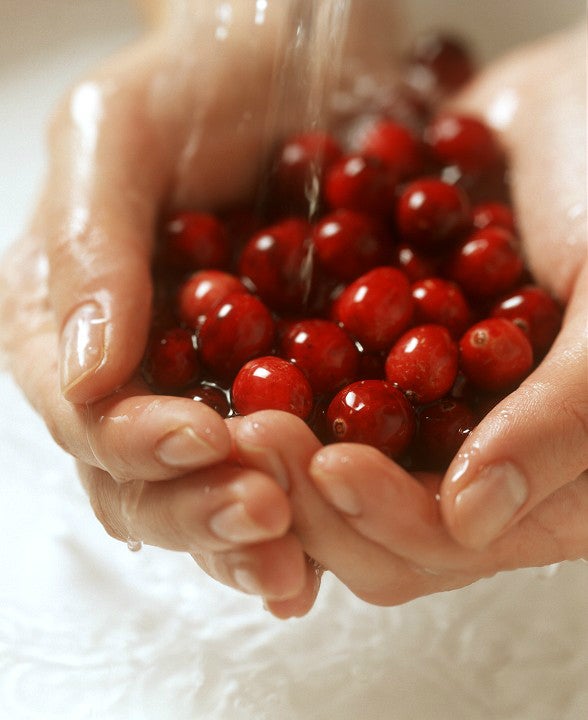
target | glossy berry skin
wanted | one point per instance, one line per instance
(414, 263)
(376, 308)
(464, 141)
(349, 243)
(493, 213)
(323, 351)
(442, 428)
(194, 241)
(202, 292)
(238, 329)
(271, 383)
(277, 263)
(488, 263)
(535, 312)
(394, 145)
(210, 395)
(423, 363)
(373, 412)
(495, 354)
(445, 58)
(361, 183)
(441, 302)
(430, 213)
(171, 361)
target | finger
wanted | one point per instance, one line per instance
(531, 444)
(97, 214)
(302, 603)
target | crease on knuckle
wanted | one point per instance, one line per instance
(106, 504)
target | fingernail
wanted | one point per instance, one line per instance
(184, 448)
(82, 344)
(336, 492)
(234, 524)
(247, 581)
(485, 507)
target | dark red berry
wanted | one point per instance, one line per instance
(210, 395)
(201, 293)
(195, 241)
(238, 329)
(171, 361)
(349, 243)
(495, 354)
(277, 263)
(373, 412)
(396, 146)
(533, 310)
(376, 308)
(431, 212)
(423, 362)
(440, 61)
(442, 428)
(271, 383)
(493, 213)
(361, 183)
(441, 302)
(323, 351)
(487, 263)
(413, 263)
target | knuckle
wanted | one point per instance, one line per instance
(105, 505)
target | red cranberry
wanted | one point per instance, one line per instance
(423, 362)
(493, 213)
(441, 302)
(431, 212)
(372, 412)
(440, 61)
(396, 146)
(171, 361)
(195, 240)
(533, 310)
(376, 308)
(413, 263)
(278, 264)
(323, 351)
(210, 395)
(464, 141)
(238, 329)
(202, 292)
(495, 354)
(487, 263)
(442, 428)
(271, 383)
(348, 244)
(361, 183)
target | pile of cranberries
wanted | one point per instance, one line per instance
(396, 316)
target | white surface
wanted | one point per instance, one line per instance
(91, 631)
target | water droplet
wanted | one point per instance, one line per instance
(134, 545)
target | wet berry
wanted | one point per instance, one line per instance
(195, 241)
(394, 145)
(441, 302)
(361, 183)
(171, 361)
(442, 428)
(493, 213)
(210, 395)
(201, 293)
(440, 62)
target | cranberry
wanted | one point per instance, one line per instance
(442, 428)
(361, 183)
(396, 146)
(323, 351)
(210, 395)
(535, 312)
(438, 60)
(376, 308)
(464, 141)
(441, 302)
(194, 241)
(487, 263)
(495, 354)
(348, 244)
(238, 329)
(271, 383)
(431, 212)
(278, 264)
(423, 362)
(414, 264)
(171, 361)
(201, 293)
(372, 412)
(493, 213)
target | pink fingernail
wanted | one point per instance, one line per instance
(82, 348)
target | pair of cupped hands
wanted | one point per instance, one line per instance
(257, 501)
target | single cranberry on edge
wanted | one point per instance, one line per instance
(493, 213)
(445, 61)
(373, 412)
(361, 183)
(495, 354)
(195, 241)
(201, 293)
(442, 428)
(376, 308)
(423, 363)
(394, 145)
(323, 351)
(210, 395)
(171, 361)
(441, 302)
(271, 383)
(413, 263)
(238, 329)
